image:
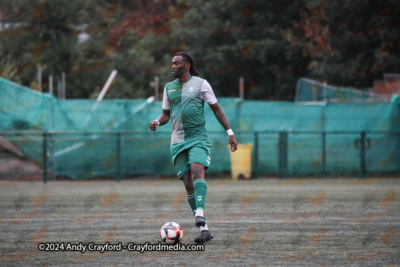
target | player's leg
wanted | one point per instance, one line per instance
(200, 189)
(197, 171)
(188, 182)
(199, 160)
(182, 169)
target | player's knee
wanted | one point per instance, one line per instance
(196, 174)
(197, 171)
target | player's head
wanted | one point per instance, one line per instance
(182, 63)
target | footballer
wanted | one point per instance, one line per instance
(183, 103)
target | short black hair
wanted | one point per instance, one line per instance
(189, 59)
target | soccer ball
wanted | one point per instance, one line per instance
(171, 233)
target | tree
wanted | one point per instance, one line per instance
(270, 43)
(351, 43)
(46, 34)
(234, 38)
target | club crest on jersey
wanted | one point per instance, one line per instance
(191, 89)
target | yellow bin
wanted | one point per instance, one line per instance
(241, 161)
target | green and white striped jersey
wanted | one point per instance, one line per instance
(186, 102)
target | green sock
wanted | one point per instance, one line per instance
(192, 202)
(200, 192)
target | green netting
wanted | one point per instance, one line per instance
(309, 90)
(116, 140)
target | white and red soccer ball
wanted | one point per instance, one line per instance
(171, 233)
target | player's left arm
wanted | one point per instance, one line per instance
(223, 120)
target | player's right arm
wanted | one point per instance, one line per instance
(165, 115)
(163, 119)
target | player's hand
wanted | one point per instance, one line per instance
(153, 125)
(233, 143)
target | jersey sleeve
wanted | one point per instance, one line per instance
(165, 101)
(207, 93)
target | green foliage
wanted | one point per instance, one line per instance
(270, 43)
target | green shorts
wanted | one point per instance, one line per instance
(183, 154)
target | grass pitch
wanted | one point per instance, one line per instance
(303, 222)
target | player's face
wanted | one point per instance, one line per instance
(178, 67)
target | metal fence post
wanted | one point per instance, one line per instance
(283, 154)
(362, 153)
(324, 153)
(119, 156)
(44, 157)
(255, 158)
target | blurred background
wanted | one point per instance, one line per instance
(309, 86)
